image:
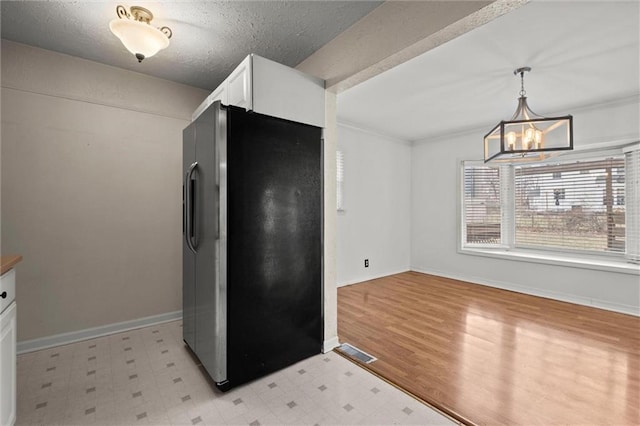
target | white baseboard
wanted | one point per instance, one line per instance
(91, 333)
(330, 344)
(105, 330)
(563, 297)
(372, 277)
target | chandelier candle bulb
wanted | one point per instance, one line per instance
(511, 140)
(528, 138)
(538, 139)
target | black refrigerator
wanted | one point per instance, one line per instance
(252, 243)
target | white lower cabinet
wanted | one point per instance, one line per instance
(8, 365)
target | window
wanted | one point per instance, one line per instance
(587, 206)
(576, 212)
(340, 180)
(482, 205)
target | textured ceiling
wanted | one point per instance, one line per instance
(209, 38)
(582, 53)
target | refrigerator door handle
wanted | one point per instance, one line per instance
(189, 207)
(185, 207)
(218, 215)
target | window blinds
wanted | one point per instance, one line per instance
(340, 180)
(632, 194)
(482, 210)
(572, 206)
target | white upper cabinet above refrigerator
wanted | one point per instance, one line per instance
(273, 89)
(238, 86)
(220, 94)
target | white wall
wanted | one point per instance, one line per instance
(330, 294)
(91, 190)
(376, 222)
(434, 219)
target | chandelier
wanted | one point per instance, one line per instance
(136, 33)
(528, 136)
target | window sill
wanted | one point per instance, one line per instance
(574, 261)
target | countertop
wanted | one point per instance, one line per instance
(8, 262)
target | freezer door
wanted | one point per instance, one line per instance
(188, 257)
(210, 242)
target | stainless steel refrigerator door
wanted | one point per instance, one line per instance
(188, 257)
(210, 230)
(222, 284)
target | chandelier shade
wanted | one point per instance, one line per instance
(528, 136)
(136, 33)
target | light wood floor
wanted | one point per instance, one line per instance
(489, 356)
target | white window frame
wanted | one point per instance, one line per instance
(565, 257)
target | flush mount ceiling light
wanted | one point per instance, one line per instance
(528, 136)
(136, 33)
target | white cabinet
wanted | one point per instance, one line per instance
(220, 94)
(238, 85)
(8, 350)
(270, 88)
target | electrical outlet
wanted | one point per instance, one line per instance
(366, 263)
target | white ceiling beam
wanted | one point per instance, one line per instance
(394, 33)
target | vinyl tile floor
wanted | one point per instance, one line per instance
(147, 376)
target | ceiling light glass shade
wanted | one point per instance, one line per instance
(528, 136)
(136, 33)
(139, 37)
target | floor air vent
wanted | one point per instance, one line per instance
(356, 353)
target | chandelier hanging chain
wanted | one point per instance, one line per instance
(521, 71)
